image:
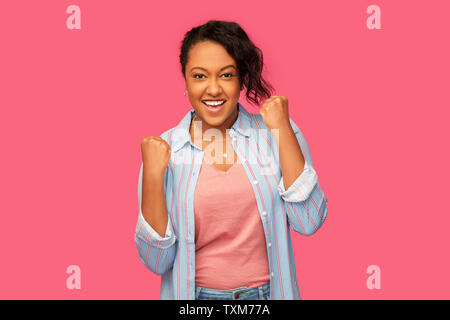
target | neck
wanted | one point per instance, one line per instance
(198, 135)
(223, 128)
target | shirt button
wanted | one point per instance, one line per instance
(255, 181)
(271, 274)
(225, 155)
(243, 159)
(269, 244)
(264, 213)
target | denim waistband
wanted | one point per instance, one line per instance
(234, 294)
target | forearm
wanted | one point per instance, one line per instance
(291, 158)
(154, 208)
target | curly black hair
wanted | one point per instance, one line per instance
(248, 57)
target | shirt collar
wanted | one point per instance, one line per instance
(181, 133)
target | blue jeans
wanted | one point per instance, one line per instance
(242, 293)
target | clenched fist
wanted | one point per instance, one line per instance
(275, 113)
(155, 155)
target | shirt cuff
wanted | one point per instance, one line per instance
(302, 187)
(149, 235)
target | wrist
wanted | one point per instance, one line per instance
(152, 172)
(286, 128)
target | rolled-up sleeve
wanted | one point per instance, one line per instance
(302, 186)
(148, 234)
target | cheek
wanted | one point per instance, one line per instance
(195, 97)
(195, 91)
(232, 92)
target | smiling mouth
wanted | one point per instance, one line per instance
(212, 103)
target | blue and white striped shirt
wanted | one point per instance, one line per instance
(303, 206)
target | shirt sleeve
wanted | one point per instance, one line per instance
(305, 202)
(302, 187)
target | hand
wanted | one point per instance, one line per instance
(155, 155)
(275, 113)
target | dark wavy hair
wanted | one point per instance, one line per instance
(248, 57)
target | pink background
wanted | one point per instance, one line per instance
(75, 104)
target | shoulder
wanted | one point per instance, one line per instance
(256, 121)
(168, 135)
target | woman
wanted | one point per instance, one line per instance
(218, 192)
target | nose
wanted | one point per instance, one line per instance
(214, 89)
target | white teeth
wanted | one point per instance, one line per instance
(214, 103)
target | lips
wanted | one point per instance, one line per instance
(214, 109)
(214, 101)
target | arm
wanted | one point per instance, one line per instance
(154, 209)
(154, 237)
(304, 201)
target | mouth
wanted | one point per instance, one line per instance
(214, 106)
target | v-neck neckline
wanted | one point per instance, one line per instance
(219, 170)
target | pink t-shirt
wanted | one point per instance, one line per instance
(230, 246)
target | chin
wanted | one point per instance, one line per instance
(214, 121)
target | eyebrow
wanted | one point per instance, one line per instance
(228, 66)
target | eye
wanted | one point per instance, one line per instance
(198, 74)
(230, 75)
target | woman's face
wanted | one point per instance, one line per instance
(211, 74)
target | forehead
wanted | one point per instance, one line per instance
(209, 55)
